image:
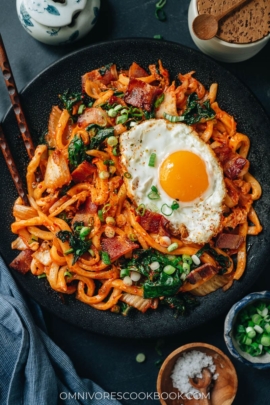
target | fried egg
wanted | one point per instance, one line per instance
(185, 171)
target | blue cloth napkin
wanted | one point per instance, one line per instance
(33, 370)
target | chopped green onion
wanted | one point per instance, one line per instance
(110, 221)
(118, 107)
(250, 332)
(124, 111)
(133, 237)
(153, 195)
(108, 162)
(105, 258)
(127, 175)
(265, 340)
(169, 269)
(267, 328)
(112, 141)
(67, 252)
(172, 247)
(91, 252)
(248, 341)
(100, 215)
(140, 358)
(112, 113)
(124, 273)
(152, 160)
(42, 275)
(141, 210)
(256, 319)
(160, 99)
(154, 189)
(158, 36)
(84, 232)
(67, 274)
(186, 267)
(173, 118)
(166, 210)
(106, 208)
(81, 109)
(160, 14)
(175, 205)
(121, 119)
(33, 239)
(187, 258)
(104, 175)
(258, 329)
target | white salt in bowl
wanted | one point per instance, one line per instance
(222, 50)
(225, 386)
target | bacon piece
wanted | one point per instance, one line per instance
(223, 153)
(117, 246)
(86, 212)
(94, 115)
(141, 95)
(203, 272)
(236, 166)
(83, 171)
(153, 222)
(94, 75)
(229, 241)
(136, 71)
(23, 261)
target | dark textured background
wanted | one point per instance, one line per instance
(111, 362)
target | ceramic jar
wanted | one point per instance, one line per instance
(222, 50)
(58, 22)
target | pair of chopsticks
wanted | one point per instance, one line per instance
(22, 124)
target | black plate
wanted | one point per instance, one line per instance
(37, 99)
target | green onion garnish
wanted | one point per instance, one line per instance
(106, 208)
(121, 119)
(127, 175)
(169, 269)
(140, 358)
(173, 118)
(67, 252)
(105, 258)
(124, 273)
(159, 100)
(153, 195)
(115, 151)
(160, 14)
(152, 160)
(108, 162)
(166, 210)
(84, 232)
(42, 275)
(141, 210)
(175, 205)
(81, 109)
(157, 36)
(100, 215)
(172, 247)
(67, 274)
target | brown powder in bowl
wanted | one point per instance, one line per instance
(249, 23)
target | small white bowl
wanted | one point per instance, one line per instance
(222, 50)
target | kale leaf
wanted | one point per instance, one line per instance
(222, 260)
(100, 137)
(105, 68)
(76, 152)
(70, 99)
(78, 245)
(158, 283)
(196, 112)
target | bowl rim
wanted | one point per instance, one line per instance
(185, 347)
(229, 322)
(193, 7)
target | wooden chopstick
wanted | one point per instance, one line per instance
(15, 101)
(12, 167)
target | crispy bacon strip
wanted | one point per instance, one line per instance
(117, 246)
(153, 222)
(140, 94)
(86, 211)
(198, 276)
(83, 171)
(23, 261)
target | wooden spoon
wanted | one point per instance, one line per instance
(202, 385)
(205, 26)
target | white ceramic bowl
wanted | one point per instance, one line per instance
(222, 50)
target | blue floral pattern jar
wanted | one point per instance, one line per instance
(58, 22)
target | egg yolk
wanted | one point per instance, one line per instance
(183, 176)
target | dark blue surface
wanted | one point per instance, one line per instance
(111, 362)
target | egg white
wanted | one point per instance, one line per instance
(201, 217)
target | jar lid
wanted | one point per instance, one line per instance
(54, 13)
(248, 23)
